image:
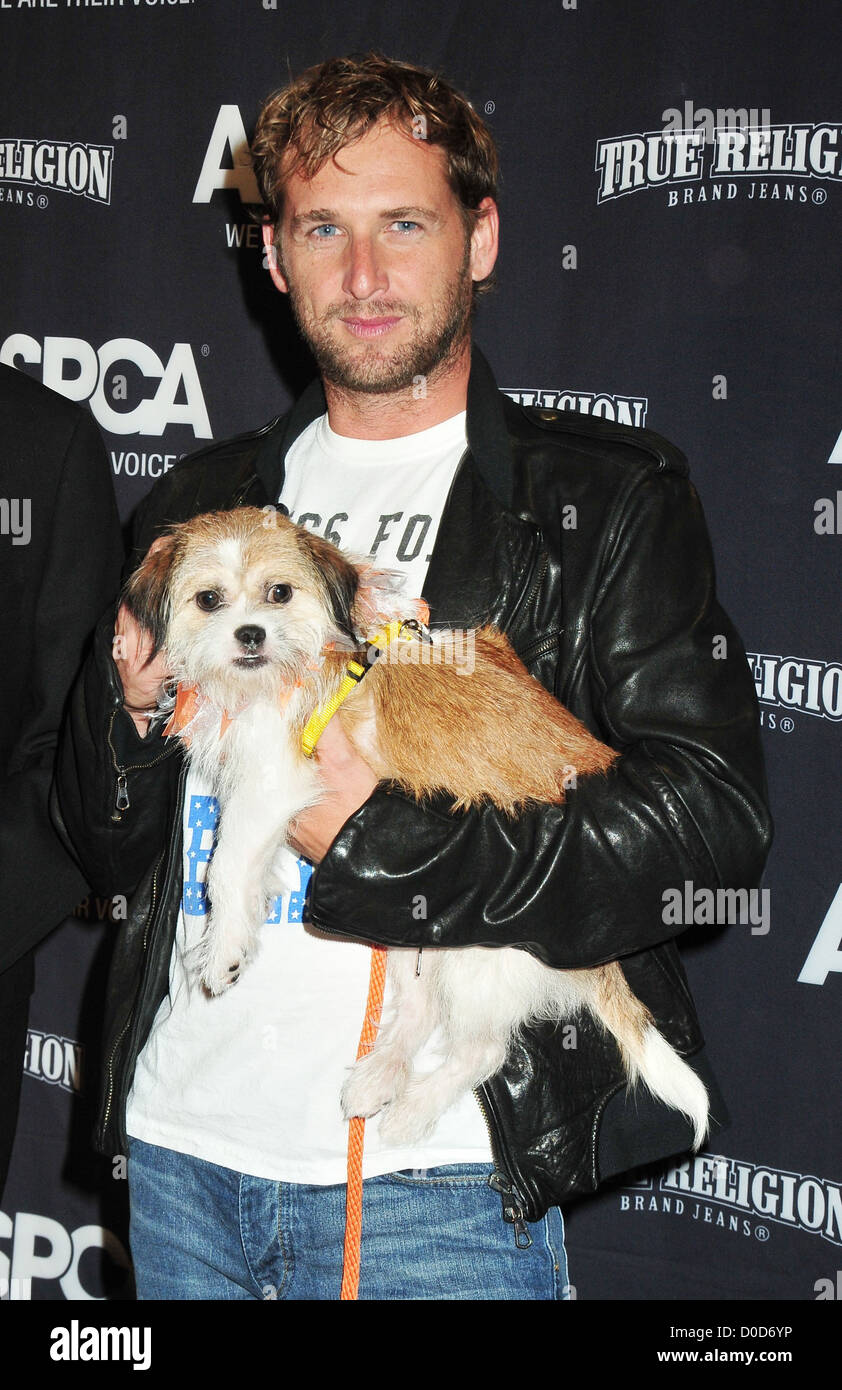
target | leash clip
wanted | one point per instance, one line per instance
(418, 630)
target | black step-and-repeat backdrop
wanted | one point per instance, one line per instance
(671, 229)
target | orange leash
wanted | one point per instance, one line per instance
(356, 1134)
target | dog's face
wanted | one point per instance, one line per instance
(244, 602)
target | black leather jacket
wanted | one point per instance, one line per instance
(585, 541)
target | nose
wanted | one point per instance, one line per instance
(251, 636)
(365, 273)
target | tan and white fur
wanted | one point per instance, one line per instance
(261, 616)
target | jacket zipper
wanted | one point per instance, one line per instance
(121, 802)
(500, 1182)
(150, 918)
(513, 1207)
(539, 648)
(127, 1024)
(539, 570)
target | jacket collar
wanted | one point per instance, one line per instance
(488, 439)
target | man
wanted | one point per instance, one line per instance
(60, 557)
(379, 182)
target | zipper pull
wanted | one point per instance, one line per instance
(512, 1210)
(523, 1239)
(122, 802)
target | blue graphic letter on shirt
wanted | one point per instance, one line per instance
(202, 821)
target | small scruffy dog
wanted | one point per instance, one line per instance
(258, 618)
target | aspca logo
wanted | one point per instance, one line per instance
(812, 687)
(67, 166)
(626, 410)
(740, 151)
(42, 1249)
(227, 161)
(109, 379)
(747, 1195)
(53, 1059)
(825, 954)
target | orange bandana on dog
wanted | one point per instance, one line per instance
(189, 701)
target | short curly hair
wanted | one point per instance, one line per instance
(337, 102)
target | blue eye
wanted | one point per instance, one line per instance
(405, 225)
(326, 227)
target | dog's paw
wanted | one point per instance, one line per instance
(220, 963)
(282, 876)
(218, 978)
(374, 1082)
(223, 953)
(411, 1118)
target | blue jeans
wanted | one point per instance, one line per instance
(199, 1231)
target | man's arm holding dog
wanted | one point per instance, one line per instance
(583, 883)
(348, 783)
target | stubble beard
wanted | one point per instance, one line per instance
(434, 347)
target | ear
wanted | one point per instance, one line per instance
(272, 260)
(339, 577)
(146, 593)
(485, 240)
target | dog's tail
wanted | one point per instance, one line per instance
(647, 1055)
(673, 1081)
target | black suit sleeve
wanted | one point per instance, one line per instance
(584, 883)
(81, 552)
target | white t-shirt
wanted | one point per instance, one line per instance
(251, 1080)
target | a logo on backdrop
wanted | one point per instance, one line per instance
(63, 166)
(227, 160)
(626, 410)
(716, 155)
(54, 1059)
(797, 683)
(740, 1197)
(115, 379)
(825, 956)
(227, 165)
(41, 1248)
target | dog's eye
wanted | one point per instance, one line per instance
(208, 600)
(279, 593)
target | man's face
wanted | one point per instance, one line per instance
(379, 267)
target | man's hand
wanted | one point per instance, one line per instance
(142, 683)
(348, 782)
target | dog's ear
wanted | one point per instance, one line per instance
(339, 577)
(146, 592)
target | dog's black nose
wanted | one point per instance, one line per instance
(251, 636)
